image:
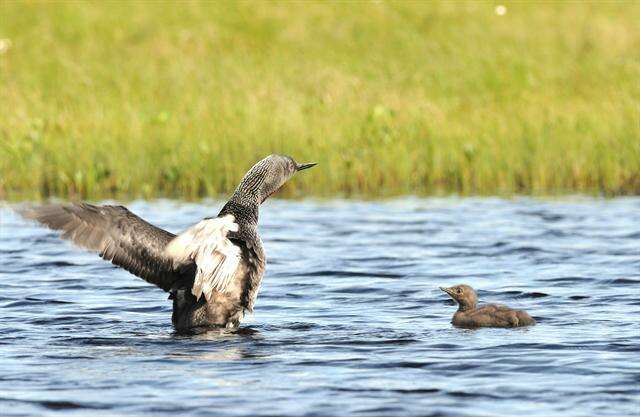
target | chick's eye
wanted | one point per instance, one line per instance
(459, 291)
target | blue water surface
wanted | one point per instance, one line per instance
(349, 320)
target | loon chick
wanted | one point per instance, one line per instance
(212, 270)
(469, 315)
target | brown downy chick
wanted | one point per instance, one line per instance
(470, 316)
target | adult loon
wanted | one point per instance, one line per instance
(212, 270)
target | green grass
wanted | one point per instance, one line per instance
(119, 99)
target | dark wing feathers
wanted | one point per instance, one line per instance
(117, 235)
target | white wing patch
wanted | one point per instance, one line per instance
(216, 257)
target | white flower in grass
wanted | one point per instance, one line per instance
(5, 44)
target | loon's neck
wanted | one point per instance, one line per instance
(245, 211)
(466, 307)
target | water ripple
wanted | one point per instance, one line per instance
(350, 319)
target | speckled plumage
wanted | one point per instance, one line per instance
(212, 270)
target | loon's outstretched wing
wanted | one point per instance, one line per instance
(118, 236)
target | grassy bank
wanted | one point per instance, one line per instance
(178, 99)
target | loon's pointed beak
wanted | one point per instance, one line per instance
(448, 291)
(300, 167)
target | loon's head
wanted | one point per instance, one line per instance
(464, 295)
(267, 176)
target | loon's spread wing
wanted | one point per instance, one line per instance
(118, 235)
(217, 258)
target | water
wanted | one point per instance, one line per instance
(349, 319)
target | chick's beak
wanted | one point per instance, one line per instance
(447, 290)
(300, 167)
